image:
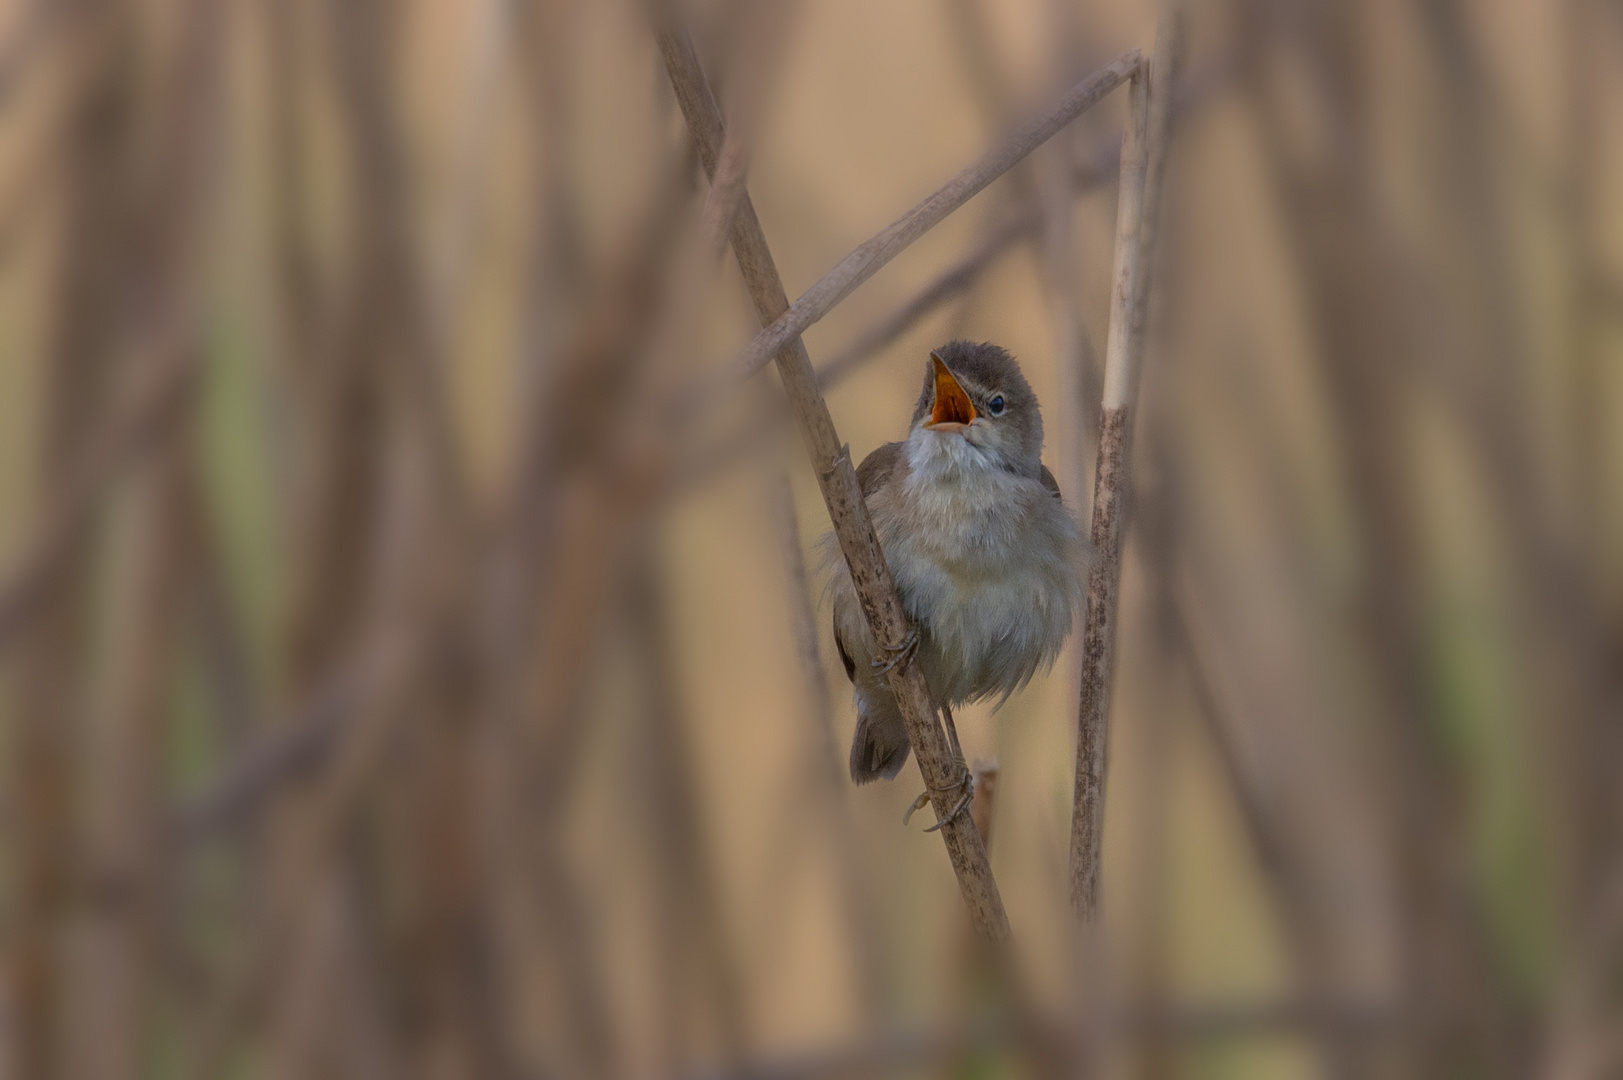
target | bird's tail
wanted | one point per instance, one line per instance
(879, 748)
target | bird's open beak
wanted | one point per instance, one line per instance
(952, 405)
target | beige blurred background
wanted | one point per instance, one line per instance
(394, 683)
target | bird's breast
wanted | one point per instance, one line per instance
(987, 565)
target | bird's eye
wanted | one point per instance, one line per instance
(995, 406)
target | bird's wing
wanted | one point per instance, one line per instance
(1048, 482)
(878, 467)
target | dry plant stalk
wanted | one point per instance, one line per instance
(1143, 163)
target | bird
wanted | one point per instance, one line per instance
(988, 560)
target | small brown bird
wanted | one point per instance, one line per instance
(987, 560)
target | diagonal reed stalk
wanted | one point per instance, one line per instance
(943, 776)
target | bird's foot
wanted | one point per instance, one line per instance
(889, 657)
(966, 782)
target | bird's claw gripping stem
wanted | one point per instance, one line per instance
(966, 781)
(889, 657)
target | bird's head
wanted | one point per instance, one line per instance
(976, 393)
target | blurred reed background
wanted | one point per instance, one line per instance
(403, 672)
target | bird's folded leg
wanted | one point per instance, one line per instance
(889, 657)
(952, 738)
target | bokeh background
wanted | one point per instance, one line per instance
(404, 673)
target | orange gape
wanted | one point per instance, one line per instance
(952, 405)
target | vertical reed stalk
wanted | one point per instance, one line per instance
(1143, 164)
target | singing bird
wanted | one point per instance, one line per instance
(988, 561)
